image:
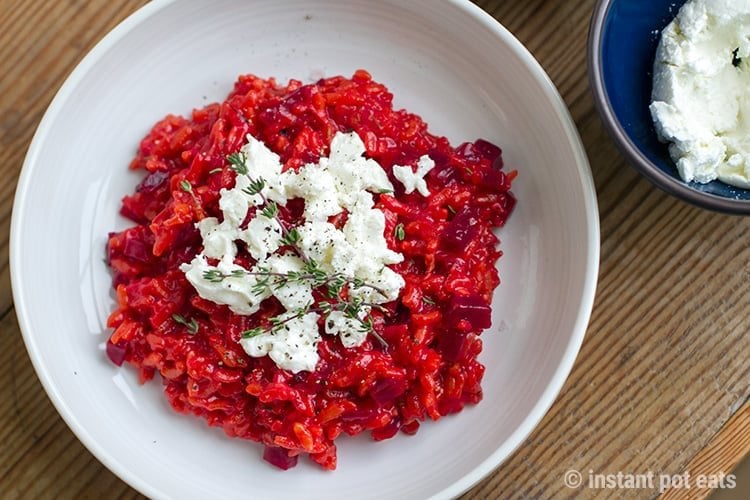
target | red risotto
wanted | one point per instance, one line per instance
(418, 360)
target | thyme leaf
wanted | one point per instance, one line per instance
(238, 162)
(256, 187)
(400, 232)
(191, 325)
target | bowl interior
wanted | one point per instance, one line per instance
(630, 35)
(448, 62)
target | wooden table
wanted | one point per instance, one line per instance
(662, 383)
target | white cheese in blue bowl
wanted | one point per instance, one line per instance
(623, 43)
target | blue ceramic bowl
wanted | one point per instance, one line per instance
(623, 38)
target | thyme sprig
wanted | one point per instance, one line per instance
(351, 309)
(311, 274)
(238, 162)
(191, 325)
(269, 209)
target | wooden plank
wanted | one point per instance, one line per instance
(717, 460)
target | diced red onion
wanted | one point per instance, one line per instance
(152, 181)
(279, 457)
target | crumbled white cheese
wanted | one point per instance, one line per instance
(701, 96)
(218, 239)
(292, 296)
(343, 181)
(234, 203)
(235, 291)
(364, 230)
(315, 185)
(348, 329)
(353, 172)
(265, 164)
(414, 180)
(389, 283)
(293, 347)
(263, 237)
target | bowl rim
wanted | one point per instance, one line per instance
(567, 357)
(626, 146)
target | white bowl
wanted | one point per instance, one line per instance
(447, 61)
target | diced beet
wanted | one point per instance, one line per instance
(441, 159)
(471, 308)
(487, 149)
(482, 149)
(453, 346)
(467, 151)
(136, 249)
(386, 390)
(443, 171)
(509, 201)
(279, 457)
(461, 229)
(496, 179)
(445, 175)
(116, 353)
(127, 211)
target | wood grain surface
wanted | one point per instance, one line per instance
(662, 383)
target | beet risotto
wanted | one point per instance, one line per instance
(307, 261)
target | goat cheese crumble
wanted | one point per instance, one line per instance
(344, 181)
(701, 103)
(414, 180)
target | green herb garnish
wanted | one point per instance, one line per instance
(400, 232)
(191, 325)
